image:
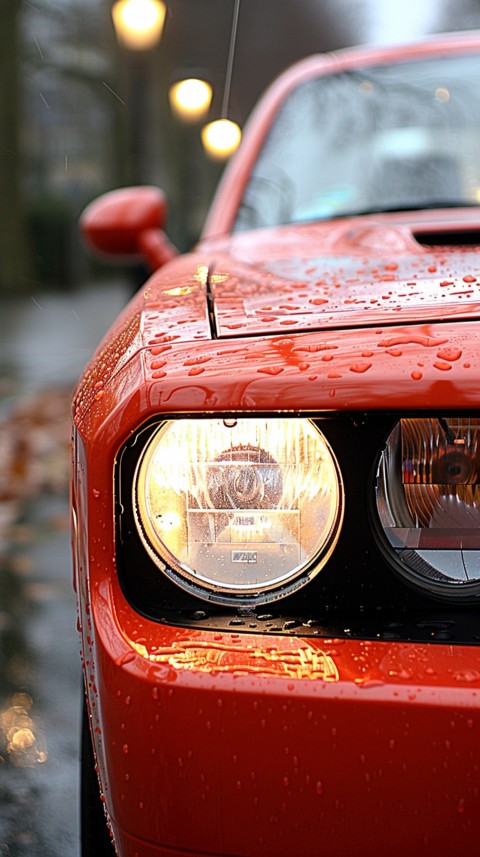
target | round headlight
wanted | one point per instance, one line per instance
(238, 511)
(428, 502)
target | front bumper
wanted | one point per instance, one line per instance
(229, 744)
(217, 744)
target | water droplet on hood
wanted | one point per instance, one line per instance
(451, 354)
(360, 367)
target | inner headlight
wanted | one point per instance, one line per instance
(428, 502)
(239, 511)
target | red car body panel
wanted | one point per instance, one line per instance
(258, 746)
(341, 275)
(238, 744)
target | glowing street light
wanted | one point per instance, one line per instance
(190, 99)
(138, 27)
(139, 23)
(220, 138)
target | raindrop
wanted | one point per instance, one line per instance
(271, 370)
(450, 354)
(466, 675)
(360, 367)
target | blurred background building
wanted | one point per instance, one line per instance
(82, 113)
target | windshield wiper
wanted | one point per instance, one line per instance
(414, 206)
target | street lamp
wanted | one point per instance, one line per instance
(190, 98)
(139, 23)
(220, 138)
(138, 27)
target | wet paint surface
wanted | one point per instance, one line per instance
(330, 329)
(356, 282)
(259, 735)
(424, 366)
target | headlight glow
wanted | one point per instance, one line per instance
(238, 511)
(428, 502)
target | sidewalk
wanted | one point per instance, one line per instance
(46, 339)
(45, 342)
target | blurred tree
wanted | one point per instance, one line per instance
(68, 108)
(15, 258)
(73, 127)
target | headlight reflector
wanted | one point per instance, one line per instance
(428, 502)
(238, 511)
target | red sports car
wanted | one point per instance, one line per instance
(276, 469)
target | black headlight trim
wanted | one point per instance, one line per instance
(359, 592)
(447, 469)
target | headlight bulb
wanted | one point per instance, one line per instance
(259, 504)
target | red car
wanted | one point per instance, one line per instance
(276, 507)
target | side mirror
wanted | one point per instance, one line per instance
(128, 223)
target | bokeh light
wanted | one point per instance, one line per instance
(139, 23)
(220, 138)
(190, 99)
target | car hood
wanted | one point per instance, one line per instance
(357, 272)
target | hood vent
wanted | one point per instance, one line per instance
(448, 237)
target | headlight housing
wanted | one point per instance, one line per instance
(428, 504)
(238, 511)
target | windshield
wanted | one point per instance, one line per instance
(403, 136)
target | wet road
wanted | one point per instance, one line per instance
(45, 342)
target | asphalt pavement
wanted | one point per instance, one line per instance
(45, 342)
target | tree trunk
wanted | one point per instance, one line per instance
(14, 254)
